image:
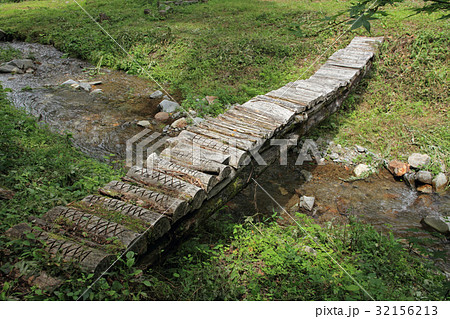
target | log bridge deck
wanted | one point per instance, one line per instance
(199, 171)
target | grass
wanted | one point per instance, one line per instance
(234, 50)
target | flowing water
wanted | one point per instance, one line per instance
(99, 123)
(379, 200)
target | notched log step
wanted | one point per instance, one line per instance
(194, 162)
(96, 227)
(236, 156)
(89, 259)
(194, 177)
(174, 186)
(156, 224)
(164, 204)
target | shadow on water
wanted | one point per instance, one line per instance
(100, 124)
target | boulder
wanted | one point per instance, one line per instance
(427, 189)
(162, 116)
(424, 177)
(22, 64)
(440, 182)
(156, 95)
(6, 68)
(398, 168)
(169, 106)
(143, 123)
(438, 223)
(417, 160)
(307, 202)
(361, 169)
(180, 123)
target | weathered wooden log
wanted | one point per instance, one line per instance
(243, 144)
(292, 106)
(259, 114)
(294, 95)
(200, 179)
(176, 187)
(235, 115)
(338, 72)
(191, 161)
(235, 126)
(272, 110)
(164, 204)
(96, 227)
(157, 224)
(236, 158)
(89, 259)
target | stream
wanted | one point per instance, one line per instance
(100, 124)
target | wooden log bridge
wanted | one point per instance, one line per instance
(198, 171)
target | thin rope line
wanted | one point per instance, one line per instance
(318, 243)
(323, 53)
(134, 60)
(123, 254)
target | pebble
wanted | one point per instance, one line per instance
(156, 95)
(162, 116)
(440, 182)
(361, 169)
(307, 202)
(424, 177)
(143, 123)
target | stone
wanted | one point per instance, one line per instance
(162, 116)
(440, 182)
(438, 223)
(360, 149)
(424, 177)
(44, 281)
(307, 175)
(169, 106)
(6, 68)
(180, 123)
(29, 70)
(307, 202)
(156, 95)
(198, 120)
(17, 70)
(97, 91)
(210, 99)
(398, 168)
(427, 189)
(69, 82)
(22, 63)
(360, 169)
(85, 86)
(143, 123)
(417, 160)
(410, 179)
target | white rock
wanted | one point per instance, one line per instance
(156, 95)
(85, 86)
(143, 123)
(69, 82)
(307, 175)
(438, 223)
(97, 91)
(361, 169)
(417, 160)
(307, 202)
(360, 149)
(168, 106)
(198, 120)
(439, 182)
